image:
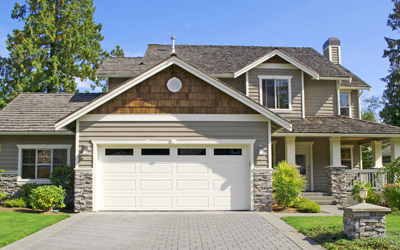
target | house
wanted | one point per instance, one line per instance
(197, 128)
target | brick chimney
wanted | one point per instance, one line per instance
(331, 49)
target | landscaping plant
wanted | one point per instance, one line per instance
(287, 184)
(308, 206)
(372, 196)
(3, 196)
(48, 197)
(18, 202)
(26, 191)
(392, 171)
(391, 193)
(64, 176)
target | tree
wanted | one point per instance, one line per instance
(59, 42)
(391, 95)
(371, 105)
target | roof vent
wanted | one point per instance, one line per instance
(331, 49)
(173, 45)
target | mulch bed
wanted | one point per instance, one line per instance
(68, 211)
(280, 209)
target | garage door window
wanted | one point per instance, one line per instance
(155, 151)
(191, 151)
(227, 151)
(119, 151)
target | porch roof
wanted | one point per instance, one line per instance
(339, 125)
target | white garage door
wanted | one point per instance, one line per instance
(173, 178)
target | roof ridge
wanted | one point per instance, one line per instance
(210, 45)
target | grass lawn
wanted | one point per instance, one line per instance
(15, 226)
(328, 231)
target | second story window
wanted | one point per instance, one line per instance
(275, 92)
(345, 104)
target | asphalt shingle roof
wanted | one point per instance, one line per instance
(340, 125)
(215, 59)
(38, 112)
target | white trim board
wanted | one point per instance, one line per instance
(37, 133)
(275, 66)
(173, 141)
(191, 69)
(173, 117)
(284, 56)
(337, 135)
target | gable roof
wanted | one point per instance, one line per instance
(38, 112)
(174, 60)
(218, 60)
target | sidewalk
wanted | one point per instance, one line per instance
(326, 210)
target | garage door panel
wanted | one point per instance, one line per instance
(228, 184)
(119, 168)
(156, 185)
(228, 168)
(155, 168)
(192, 202)
(156, 202)
(119, 185)
(192, 185)
(184, 168)
(235, 202)
(119, 202)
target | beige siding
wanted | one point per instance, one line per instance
(356, 153)
(177, 130)
(354, 104)
(114, 82)
(320, 98)
(254, 86)
(238, 83)
(9, 150)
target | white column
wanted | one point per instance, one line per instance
(395, 148)
(376, 154)
(336, 158)
(269, 145)
(290, 150)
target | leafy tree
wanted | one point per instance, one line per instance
(371, 105)
(59, 42)
(391, 96)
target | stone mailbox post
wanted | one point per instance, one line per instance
(364, 220)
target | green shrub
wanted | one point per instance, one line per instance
(18, 202)
(2, 170)
(391, 193)
(372, 196)
(26, 191)
(64, 176)
(391, 170)
(308, 206)
(287, 184)
(3, 196)
(48, 197)
(300, 200)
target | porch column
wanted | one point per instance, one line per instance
(336, 158)
(290, 150)
(376, 154)
(336, 176)
(395, 147)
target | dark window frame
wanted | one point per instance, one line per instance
(202, 154)
(169, 151)
(227, 154)
(105, 152)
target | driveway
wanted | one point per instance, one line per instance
(163, 230)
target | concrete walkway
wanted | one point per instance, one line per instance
(327, 210)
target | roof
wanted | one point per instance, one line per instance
(38, 112)
(339, 125)
(386, 151)
(355, 80)
(215, 60)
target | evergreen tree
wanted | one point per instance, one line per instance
(391, 96)
(59, 42)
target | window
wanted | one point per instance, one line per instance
(275, 92)
(38, 162)
(155, 151)
(346, 154)
(345, 104)
(227, 151)
(191, 151)
(119, 151)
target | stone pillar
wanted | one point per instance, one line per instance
(336, 183)
(376, 154)
(9, 185)
(290, 150)
(263, 190)
(83, 193)
(364, 220)
(395, 148)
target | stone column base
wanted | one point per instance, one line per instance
(83, 193)
(9, 185)
(263, 191)
(336, 183)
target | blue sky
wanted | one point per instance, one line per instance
(360, 26)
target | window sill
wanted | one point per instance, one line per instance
(281, 110)
(37, 181)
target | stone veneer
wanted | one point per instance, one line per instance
(336, 183)
(9, 185)
(83, 195)
(263, 191)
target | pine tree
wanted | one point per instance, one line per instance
(59, 42)
(391, 95)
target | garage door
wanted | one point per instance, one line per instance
(173, 178)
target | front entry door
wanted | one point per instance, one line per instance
(303, 160)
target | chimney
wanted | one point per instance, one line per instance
(173, 45)
(331, 50)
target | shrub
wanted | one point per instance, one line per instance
(299, 201)
(392, 171)
(3, 196)
(287, 184)
(18, 202)
(64, 176)
(307, 206)
(391, 193)
(48, 197)
(25, 192)
(372, 197)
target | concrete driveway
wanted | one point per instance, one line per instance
(159, 230)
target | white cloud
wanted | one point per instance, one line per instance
(85, 85)
(133, 54)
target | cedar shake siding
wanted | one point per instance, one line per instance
(173, 130)
(115, 81)
(153, 97)
(254, 87)
(9, 149)
(320, 97)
